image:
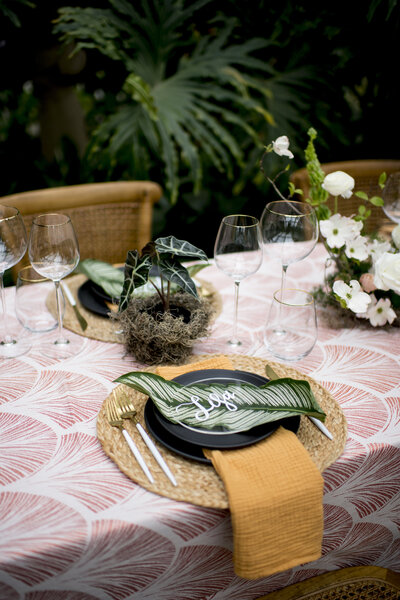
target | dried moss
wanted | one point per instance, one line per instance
(161, 338)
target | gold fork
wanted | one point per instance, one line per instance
(128, 411)
(115, 419)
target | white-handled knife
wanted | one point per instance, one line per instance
(72, 301)
(155, 452)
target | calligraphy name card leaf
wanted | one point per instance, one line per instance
(236, 407)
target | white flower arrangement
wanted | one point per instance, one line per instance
(366, 278)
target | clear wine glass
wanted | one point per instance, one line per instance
(238, 254)
(289, 231)
(13, 243)
(54, 253)
(391, 197)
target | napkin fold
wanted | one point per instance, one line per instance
(275, 496)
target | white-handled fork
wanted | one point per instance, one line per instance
(115, 420)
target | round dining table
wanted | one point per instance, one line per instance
(73, 526)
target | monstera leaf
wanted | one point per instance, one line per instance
(234, 407)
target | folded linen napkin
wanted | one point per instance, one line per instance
(275, 496)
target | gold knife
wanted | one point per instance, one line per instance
(71, 300)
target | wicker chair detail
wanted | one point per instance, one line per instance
(366, 174)
(351, 583)
(109, 218)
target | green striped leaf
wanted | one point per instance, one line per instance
(109, 278)
(171, 245)
(236, 407)
(136, 274)
(176, 273)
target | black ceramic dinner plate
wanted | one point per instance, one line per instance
(168, 440)
(92, 301)
(189, 441)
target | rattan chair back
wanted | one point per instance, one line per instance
(355, 583)
(366, 174)
(109, 218)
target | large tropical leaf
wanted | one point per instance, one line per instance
(171, 245)
(172, 270)
(109, 278)
(136, 274)
(192, 93)
(234, 407)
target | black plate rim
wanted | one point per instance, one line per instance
(168, 440)
(91, 301)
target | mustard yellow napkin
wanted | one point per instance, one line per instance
(275, 497)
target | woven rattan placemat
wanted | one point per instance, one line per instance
(103, 328)
(198, 483)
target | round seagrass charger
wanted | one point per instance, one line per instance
(105, 329)
(199, 483)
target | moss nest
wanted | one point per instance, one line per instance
(155, 337)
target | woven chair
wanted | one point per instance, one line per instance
(109, 218)
(352, 583)
(366, 174)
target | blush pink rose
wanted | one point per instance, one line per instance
(367, 282)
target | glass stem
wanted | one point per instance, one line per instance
(283, 280)
(6, 337)
(234, 341)
(60, 339)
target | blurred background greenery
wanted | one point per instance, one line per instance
(187, 93)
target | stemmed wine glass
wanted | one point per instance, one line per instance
(238, 253)
(13, 243)
(289, 232)
(391, 197)
(54, 253)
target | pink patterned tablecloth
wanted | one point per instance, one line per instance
(73, 527)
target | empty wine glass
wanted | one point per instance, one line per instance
(289, 231)
(391, 197)
(13, 242)
(54, 253)
(291, 330)
(238, 253)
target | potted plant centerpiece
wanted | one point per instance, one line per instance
(162, 327)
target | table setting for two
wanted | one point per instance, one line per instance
(231, 465)
(226, 431)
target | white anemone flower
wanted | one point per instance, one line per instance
(281, 146)
(339, 183)
(338, 230)
(356, 300)
(377, 248)
(380, 312)
(357, 248)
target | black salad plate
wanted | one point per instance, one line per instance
(189, 441)
(93, 301)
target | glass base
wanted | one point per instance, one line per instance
(14, 348)
(15, 340)
(52, 347)
(287, 344)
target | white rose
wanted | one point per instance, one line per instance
(281, 146)
(387, 272)
(339, 183)
(396, 236)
